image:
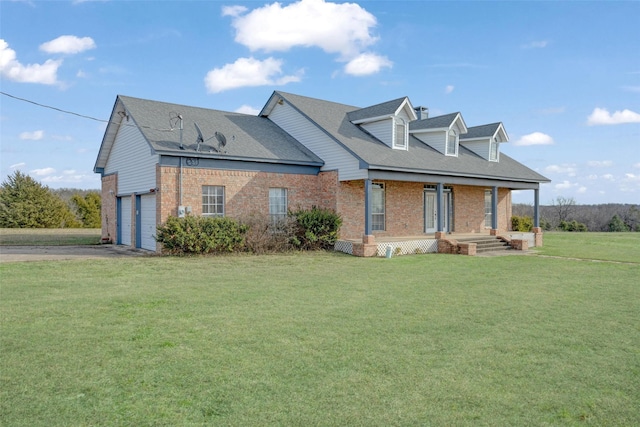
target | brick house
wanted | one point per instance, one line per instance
(388, 170)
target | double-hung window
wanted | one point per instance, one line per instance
(401, 134)
(212, 200)
(488, 209)
(452, 143)
(377, 207)
(277, 203)
(493, 150)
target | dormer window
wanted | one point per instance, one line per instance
(452, 143)
(493, 150)
(401, 134)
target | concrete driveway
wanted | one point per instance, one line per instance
(54, 253)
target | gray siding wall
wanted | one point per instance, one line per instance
(334, 156)
(481, 148)
(383, 130)
(435, 140)
(132, 160)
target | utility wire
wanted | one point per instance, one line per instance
(77, 114)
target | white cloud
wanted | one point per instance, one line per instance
(12, 69)
(539, 44)
(366, 64)
(68, 45)
(636, 165)
(535, 138)
(449, 89)
(608, 177)
(582, 190)
(565, 185)
(592, 177)
(565, 168)
(247, 109)
(248, 72)
(631, 88)
(18, 165)
(601, 116)
(43, 172)
(600, 163)
(32, 136)
(630, 182)
(335, 28)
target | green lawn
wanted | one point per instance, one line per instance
(49, 236)
(623, 247)
(320, 339)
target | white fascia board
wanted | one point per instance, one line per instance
(372, 119)
(406, 104)
(461, 124)
(429, 130)
(501, 130)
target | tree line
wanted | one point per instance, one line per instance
(565, 214)
(25, 203)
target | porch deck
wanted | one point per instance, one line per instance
(421, 244)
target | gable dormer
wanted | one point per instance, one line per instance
(388, 122)
(485, 140)
(441, 133)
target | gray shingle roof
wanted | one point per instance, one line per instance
(380, 110)
(433, 122)
(334, 118)
(484, 131)
(248, 137)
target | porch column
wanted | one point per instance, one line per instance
(440, 206)
(367, 207)
(536, 207)
(494, 208)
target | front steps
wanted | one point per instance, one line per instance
(486, 244)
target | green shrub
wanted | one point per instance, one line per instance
(317, 228)
(572, 226)
(201, 235)
(521, 223)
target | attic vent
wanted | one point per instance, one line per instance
(422, 112)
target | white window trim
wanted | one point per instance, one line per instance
(493, 143)
(279, 215)
(399, 121)
(455, 143)
(383, 214)
(214, 204)
(488, 208)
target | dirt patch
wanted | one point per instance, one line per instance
(54, 253)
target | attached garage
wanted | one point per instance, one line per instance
(124, 221)
(147, 217)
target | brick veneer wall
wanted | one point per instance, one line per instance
(404, 209)
(109, 212)
(245, 191)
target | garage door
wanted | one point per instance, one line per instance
(124, 232)
(148, 222)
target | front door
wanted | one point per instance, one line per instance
(431, 211)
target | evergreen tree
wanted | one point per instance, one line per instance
(88, 209)
(25, 203)
(616, 224)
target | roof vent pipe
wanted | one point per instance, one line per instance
(422, 112)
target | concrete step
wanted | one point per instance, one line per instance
(486, 243)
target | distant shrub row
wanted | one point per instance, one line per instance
(311, 229)
(525, 224)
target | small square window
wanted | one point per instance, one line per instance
(212, 200)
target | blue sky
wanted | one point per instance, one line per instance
(563, 77)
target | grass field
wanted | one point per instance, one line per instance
(321, 339)
(622, 247)
(49, 236)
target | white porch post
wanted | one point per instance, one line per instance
(494, 208)
(536, 207)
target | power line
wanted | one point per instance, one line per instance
(77, 114)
